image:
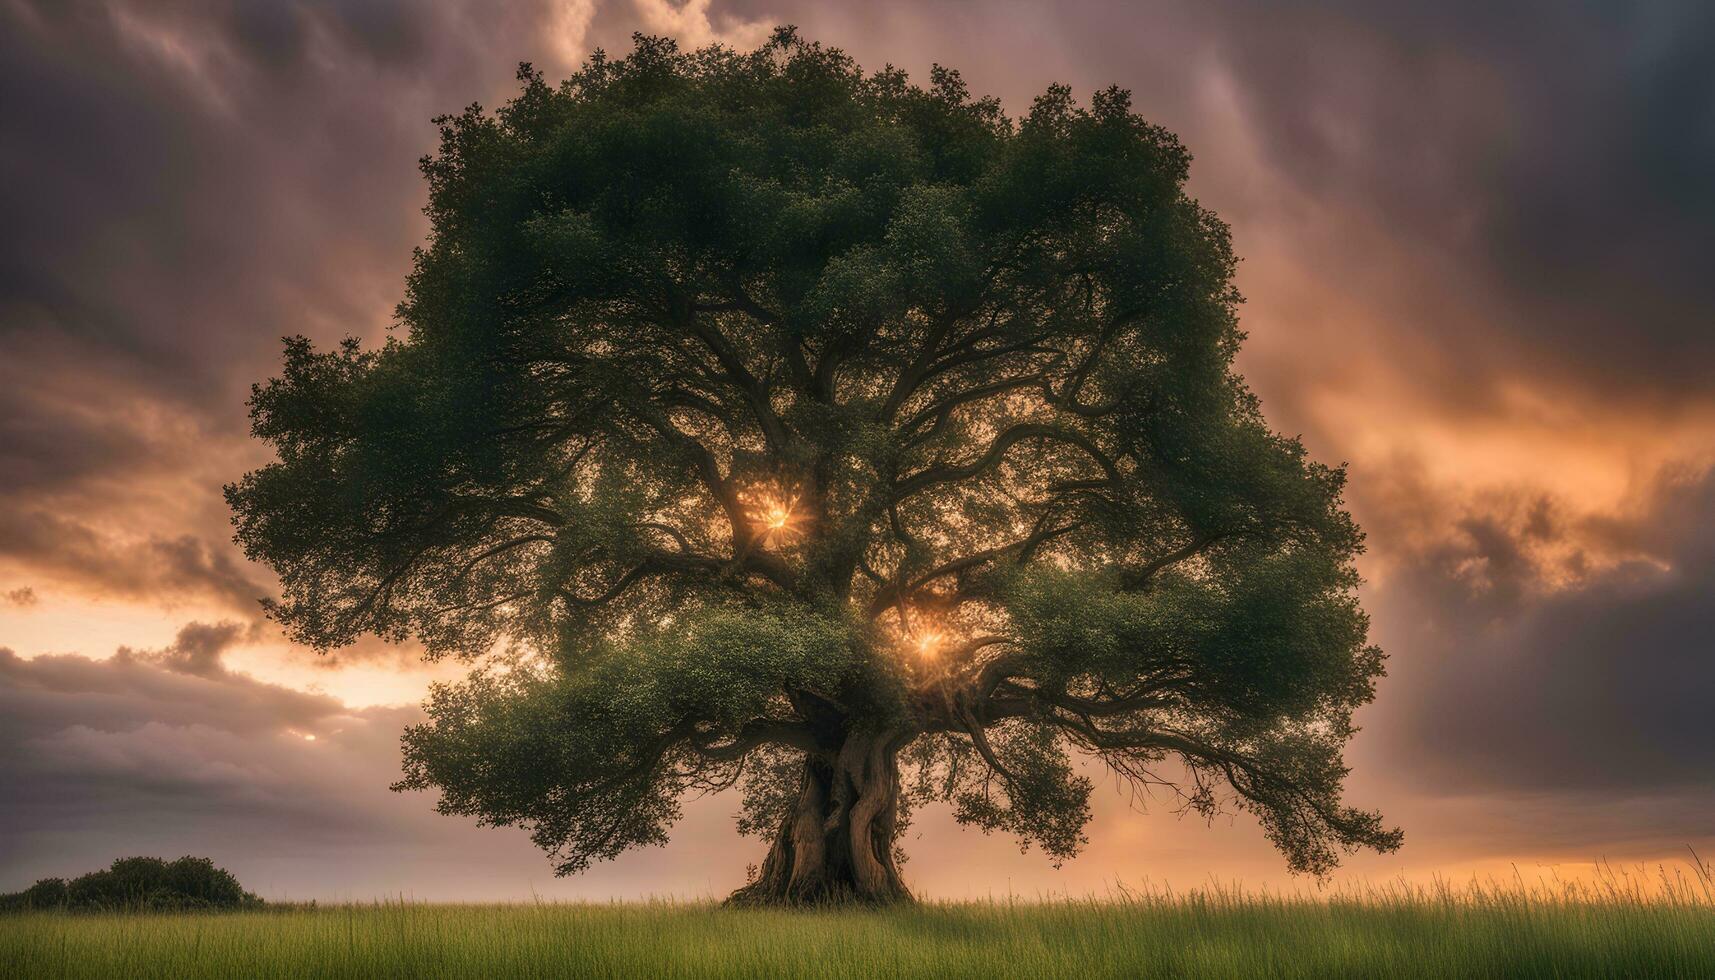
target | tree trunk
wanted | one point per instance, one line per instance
(836, 843)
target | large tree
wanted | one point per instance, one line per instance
(758, 421)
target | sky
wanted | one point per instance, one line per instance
(1475, 243)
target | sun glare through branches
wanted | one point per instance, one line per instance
(775, 514)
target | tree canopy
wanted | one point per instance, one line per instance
(759, 421)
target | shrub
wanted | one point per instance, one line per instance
(138, 884)
(49, 893)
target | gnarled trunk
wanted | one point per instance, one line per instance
(836, 843)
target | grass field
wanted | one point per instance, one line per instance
(1399, 932)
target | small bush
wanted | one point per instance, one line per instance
(138, 884)
(49, 893)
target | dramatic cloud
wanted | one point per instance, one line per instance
(172, 751)
(1600, 684)
(150, 568)
(1549, 164)
(1474, 240)
(165, 745)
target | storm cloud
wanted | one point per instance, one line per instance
(169, 748)
(174, 751)
(1604, 685)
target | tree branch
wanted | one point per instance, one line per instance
(1139, 578)
(754, 734)
(894, 592)
(941, 411)
(944, 473)
(753, 390)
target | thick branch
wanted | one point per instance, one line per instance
(1134, 579)
(1141, 700)
(942, 410)
(940, 473)
(499, 549)
(754, 734)
(892, 593)
(753, 389)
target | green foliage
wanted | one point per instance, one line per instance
(591, 753)
(138, 884)
(45, 895)
(980, 369)
(1038, 797)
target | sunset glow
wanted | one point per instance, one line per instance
(1471, 250)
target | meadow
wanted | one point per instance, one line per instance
(1639, 930)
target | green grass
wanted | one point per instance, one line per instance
(1396, 932)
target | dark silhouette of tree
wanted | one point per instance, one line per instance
(761, 422)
